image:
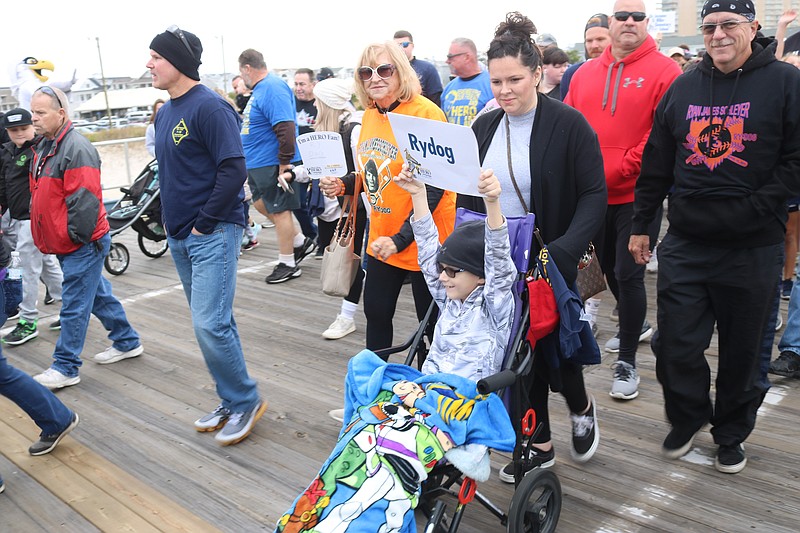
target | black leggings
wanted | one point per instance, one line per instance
(625, 277)
(572, 388)
(381, 290)
(326, 230)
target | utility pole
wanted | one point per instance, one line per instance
(224, 70)
(105, 89)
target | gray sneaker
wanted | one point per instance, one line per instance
(626, 381)
(213, 420)
(612, 345)
(239, 425)
(47, 443)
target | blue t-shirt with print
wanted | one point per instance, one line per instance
(462, 99)
(271, 102)
(195, 133)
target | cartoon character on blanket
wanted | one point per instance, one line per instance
(401, 423)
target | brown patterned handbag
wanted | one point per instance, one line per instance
(590, 280)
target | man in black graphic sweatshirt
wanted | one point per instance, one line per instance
(726, 140)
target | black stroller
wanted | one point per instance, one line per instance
(536, 504)
(139, 208)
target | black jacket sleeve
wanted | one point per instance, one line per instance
(403, 238)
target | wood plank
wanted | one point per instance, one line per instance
(95, 488)
(136, 441)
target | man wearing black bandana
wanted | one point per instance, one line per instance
(726, 139)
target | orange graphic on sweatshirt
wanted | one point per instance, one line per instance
(712, 142)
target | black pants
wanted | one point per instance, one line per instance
(326, 230)
(625, 277)
(572, 388)
(699, 286)
(381, 290)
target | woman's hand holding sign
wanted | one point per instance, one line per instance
(331, 187)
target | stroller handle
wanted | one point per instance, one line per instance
(497, 381)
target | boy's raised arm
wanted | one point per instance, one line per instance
(489, 187)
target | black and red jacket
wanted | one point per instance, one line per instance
(67, 209)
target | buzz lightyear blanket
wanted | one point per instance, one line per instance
(399, 424)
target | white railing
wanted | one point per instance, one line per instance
(122, 160)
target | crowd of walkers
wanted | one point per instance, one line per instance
(597, 150)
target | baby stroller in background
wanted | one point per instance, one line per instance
(536, 504)
(139, 208)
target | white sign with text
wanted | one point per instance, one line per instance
(323, 154)
(438, 153)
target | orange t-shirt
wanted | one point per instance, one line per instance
(379, 160)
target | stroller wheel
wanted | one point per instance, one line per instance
(118, 259)
(152, 248)
(536, 504)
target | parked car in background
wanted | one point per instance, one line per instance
(138, 117)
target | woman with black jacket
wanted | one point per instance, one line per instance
(548, 161)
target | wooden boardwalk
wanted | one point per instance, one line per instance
(135, 463)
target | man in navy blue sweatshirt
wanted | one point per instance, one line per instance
(202, 173)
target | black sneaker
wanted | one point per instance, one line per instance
(250, 245)
(22, 333)
(538, 459)
(47, 443)
(14, 314)
(730, 459)
(787, 364)
(283, 272)
(55, 326)
(48, 299)
(585, 434)
(786, 289)
(678, 442)
(305, 249)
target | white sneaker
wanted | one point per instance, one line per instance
(337, 414)
(341, 326)
(53, 379)
(652, 265)
(112, 355)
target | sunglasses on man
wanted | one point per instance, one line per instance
(177, 32)
(727, 25)
(50, 92)
(622, 16)
(384, 72)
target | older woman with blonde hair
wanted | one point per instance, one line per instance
(385, 82)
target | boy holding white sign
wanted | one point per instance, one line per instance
(470, 277)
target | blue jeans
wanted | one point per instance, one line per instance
(47, 411)
(206, 265)
(86, 292)
(790, 341)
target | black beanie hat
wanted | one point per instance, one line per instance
(171, 47)
(465, 248)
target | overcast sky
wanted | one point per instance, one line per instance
(318, 33)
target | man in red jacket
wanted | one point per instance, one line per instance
(618, 94)
(68, 219)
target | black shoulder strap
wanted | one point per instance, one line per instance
(346, 132)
